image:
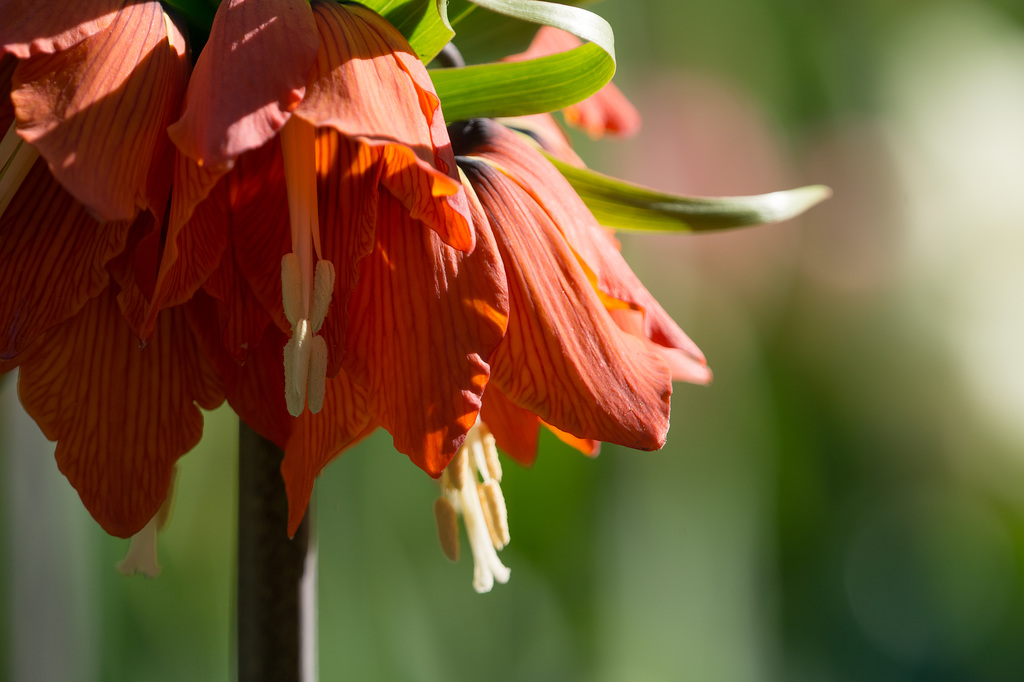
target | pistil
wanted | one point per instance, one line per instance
(307, 279)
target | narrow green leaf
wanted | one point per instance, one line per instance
(534, 86)
(623, 205)
(486, 36)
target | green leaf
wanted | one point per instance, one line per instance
(537, 85)
(623, 205)
(487, 36)
(424, 23)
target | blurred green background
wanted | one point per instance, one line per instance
(844, 502)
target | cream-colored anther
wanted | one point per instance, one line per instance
(141, 557)
(296, 367)
(490, 448)
(447, 527)
(323, 289)
(16, 159)
(493, 502)
(316, 384)
(471, 490)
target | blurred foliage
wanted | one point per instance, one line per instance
(845, 502)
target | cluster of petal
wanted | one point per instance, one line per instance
(417, 302)
(92, 89)
(588, 351)
(306, 142)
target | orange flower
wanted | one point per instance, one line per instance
(587, 352)
(93, 86)
(318, 217)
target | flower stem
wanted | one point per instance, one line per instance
(276, 598)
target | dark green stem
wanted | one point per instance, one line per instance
(276, 628)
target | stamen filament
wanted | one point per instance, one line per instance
(307, 281)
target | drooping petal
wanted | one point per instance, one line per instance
(368, 84)
(250, 75)
(240, 224)
(255, 390)
(546, 132)
(194, 245)
(52, 258)
(423, 318)
(249, 276)
(592, 244)
(29, 30)
(316, 439)
(97, 111)
(606, 111)
(121, 414)
(515, 429)
(588, 446)
(347, 179)
(563, 358)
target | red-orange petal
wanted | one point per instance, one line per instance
(29, 30)
(97, 111)
(121, 414)
(515, 429)
(347, 177)
(593, 245)
(588, 446)
(563, 358)
(316, 439)
(369, 85)
(250, 75)
(52, 258)
(423, 319)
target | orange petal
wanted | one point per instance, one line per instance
(316, 439)
(593, 245)
(29, 30)
(369, 84)
(563, 358)
(423, 318)
(255, 390)
(121, 415)
(514, 428)
(347, 179)
(97, 111)
(52, 258)
(587, 446)
(249, 76)
(193, 246)
(606, 111)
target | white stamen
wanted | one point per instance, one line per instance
(307, 280)
(468, 485)
(141, 556)
(316, 388)
(323, 289)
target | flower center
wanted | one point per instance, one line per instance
(307, 280)
(469, 486)
(16, 159)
